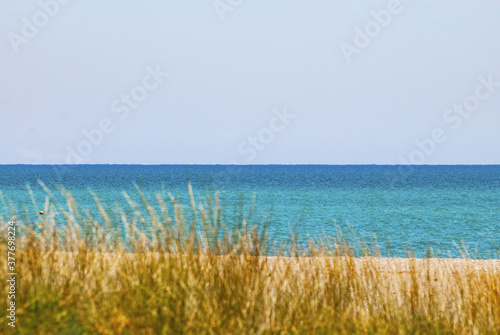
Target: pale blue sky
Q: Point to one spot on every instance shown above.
(230, 79)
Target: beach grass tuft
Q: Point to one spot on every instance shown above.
(163, 267)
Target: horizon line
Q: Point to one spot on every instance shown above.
(273, 164)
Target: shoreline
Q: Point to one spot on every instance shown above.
(385, 264)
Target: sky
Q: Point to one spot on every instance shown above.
(249, 82)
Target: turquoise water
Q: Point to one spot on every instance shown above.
(411, 206)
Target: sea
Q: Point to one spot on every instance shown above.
(442, 211)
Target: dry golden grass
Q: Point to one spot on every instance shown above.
(75, 278)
